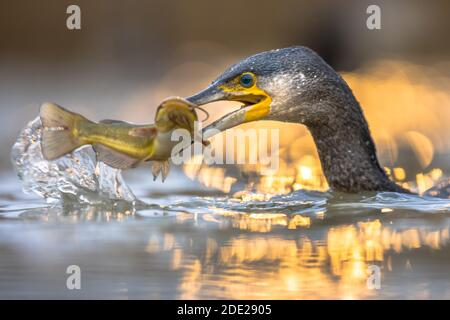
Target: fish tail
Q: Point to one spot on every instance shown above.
(59, 136)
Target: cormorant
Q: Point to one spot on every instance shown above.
(296, 85)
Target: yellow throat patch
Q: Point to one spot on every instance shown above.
(256, 111)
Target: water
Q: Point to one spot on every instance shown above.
(189, 242)
(77, 176)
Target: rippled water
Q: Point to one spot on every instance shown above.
(184, 241)
(76, 176)
(304, 245)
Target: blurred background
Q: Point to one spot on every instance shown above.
(128, 56)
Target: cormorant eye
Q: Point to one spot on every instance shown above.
(247, 80)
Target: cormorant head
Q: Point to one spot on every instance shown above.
(285, 84)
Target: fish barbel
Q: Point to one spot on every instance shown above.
(117, 143)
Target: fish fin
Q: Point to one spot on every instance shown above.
(110, 121)
(114, 158)
(162, 167)
(143, 132)
(58, 138)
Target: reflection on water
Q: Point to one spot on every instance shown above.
(301, 246)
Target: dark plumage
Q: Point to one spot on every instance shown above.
(305, 89)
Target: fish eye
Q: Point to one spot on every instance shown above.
(247, 80)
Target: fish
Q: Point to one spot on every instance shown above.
(117, 143)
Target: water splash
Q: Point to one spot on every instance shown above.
(77, 176)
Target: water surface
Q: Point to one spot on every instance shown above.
(305, 245)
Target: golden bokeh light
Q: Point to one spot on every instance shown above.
(300, 267)
(404, 111)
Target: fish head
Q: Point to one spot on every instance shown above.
(176, 113)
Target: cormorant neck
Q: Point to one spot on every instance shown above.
(347, 151)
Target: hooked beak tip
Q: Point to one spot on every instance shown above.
(210, 94)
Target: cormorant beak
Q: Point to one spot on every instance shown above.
(256, 106)
(210, 94)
